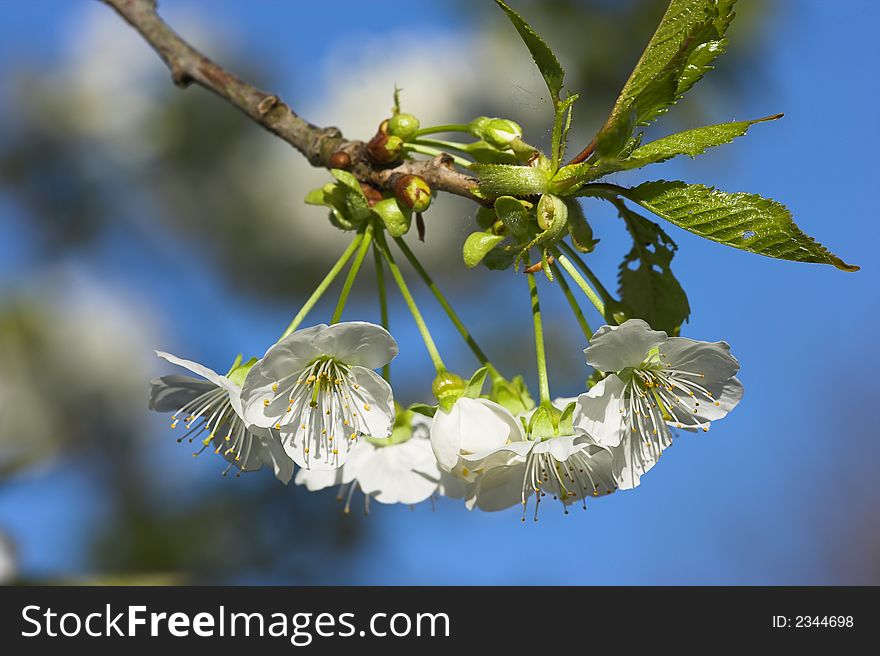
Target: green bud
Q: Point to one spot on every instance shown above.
(396, 221)
(477, 246)
(404, 126)
(413, 192)
(544, 423)
(384, 149)
(552, 212)
(513, 395)
(499, 132)
(448, 388)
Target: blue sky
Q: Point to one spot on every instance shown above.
(774, 494)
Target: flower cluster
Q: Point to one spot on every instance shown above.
(314, 401)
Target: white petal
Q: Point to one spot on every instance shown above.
(286, 358)
(454, 487)
(600, 411)
(201, 370)
(170, 393)
(562, 447)
(358, 343)
(471, 426)
(318, 479)
(633, 459)
(375, 402)
(401, 473)
(486, 425)
(499, 488)
(711, 359)
(614, 348)
(271, 453)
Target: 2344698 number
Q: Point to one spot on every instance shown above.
(826, 621)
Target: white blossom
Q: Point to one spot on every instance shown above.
(472, 426)
(210, 406)
(654, 382)
(317, 388)
(563, 462)
(398, 470)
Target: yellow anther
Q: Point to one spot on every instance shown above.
(274, 387)
(335, 452)
(367, 407)
(277, 426)
(354, 436)
(306, 450)
(265, 402)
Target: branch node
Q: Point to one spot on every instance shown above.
(266, 104)
(180, 76)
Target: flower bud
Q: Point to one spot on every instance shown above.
(384, 149)
(372, 194)
(512, 395)
(499, 132)
(404, 126)
(396, 220)
(448, 388)
(544, 423)
(413, 192)
(340, 160)
(552, 211)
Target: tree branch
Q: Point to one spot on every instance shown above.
(317, 144)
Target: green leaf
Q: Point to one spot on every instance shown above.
(355, 205)
(499, 259)
(579, 228)
(423, 409)
(650, 290)
(689, 142)
(477, 246)
(541, 53)
(745, 221)
(514, 215)
(504, 180)
(689, 38)
(475, 385)
(561, 125)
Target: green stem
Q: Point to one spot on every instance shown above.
(323, 285)
(410, 303)
(433, 152)
(353, 272)
(587, 271)
(543, 380)
(572, 302)
(580, 282)
(453, 316)
(449, 127)
(446, 145)
(383, 302)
